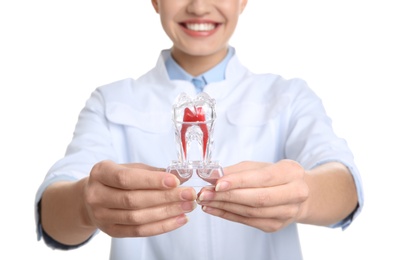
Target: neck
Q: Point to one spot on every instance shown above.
(197, 65)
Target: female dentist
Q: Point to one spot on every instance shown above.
(283, 163)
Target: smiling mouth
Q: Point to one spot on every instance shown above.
(200, 27)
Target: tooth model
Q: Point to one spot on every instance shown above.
(194, 121)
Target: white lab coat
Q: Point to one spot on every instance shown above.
(259, 118)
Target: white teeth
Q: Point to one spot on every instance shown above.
(200, 26)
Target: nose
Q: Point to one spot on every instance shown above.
(199, 7)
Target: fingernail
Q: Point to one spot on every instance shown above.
(207, 209)
(188, 206)
(182, 219)
(206, 195)
(171, 181)
(222, 186)
(188, 195)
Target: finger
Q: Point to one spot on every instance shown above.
(146, 215)
(256, 175)
(146, 230)
(275, 212)
(265, 224)
(244, 166)
(257, 197)
(139, 199)
(143, 166)
(133, 176)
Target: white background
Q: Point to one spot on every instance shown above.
(54, 53)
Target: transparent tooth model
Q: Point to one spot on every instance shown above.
(194, 121)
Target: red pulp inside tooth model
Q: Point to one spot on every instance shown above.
(192, 117)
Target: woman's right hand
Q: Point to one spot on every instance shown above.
(135, 200)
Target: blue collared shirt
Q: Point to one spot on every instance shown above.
(217, 73)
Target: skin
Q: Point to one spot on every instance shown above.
(271, 196)
(131, 200)
(198, 52)
(137, 200)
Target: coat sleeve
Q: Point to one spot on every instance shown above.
(90, 144)
(311, 140)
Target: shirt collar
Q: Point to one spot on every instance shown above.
(215, 74)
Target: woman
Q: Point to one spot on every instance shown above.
(283, 163)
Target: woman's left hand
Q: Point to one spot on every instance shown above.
(262, 195)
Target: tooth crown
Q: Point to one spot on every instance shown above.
(200, 26)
